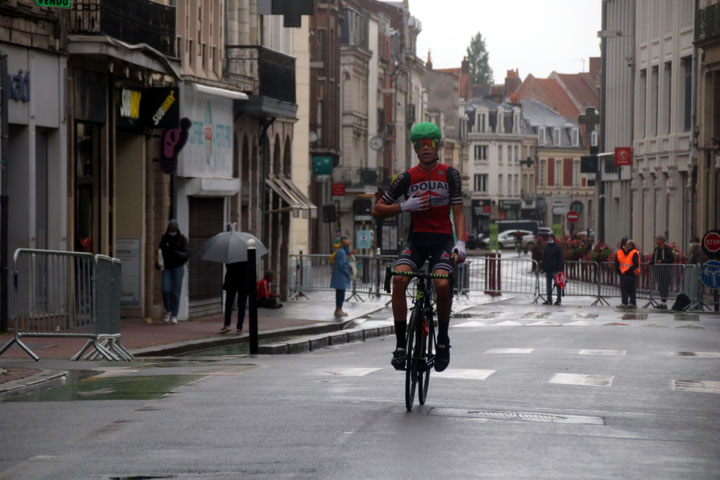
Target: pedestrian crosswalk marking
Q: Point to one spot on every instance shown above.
(508, 323)
(349, 371)
(698, 386)
(579, 323)
(601, 352)
(692, 326)
(581, 379)
(471, 324)
(466, 374)
(510, 350)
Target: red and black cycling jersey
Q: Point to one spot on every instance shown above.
(442, 184)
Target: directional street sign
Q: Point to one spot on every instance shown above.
(710, 274)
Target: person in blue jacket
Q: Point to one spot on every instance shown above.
(340, 280)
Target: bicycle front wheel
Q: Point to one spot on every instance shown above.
(411, 371)
(428, 335)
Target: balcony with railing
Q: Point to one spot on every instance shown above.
(356, 178)
(262, 71)
(707, 25)
(131, 21)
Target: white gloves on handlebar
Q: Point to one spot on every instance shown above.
(412, 204)
(459, 248)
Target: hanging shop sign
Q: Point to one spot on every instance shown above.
(148, 108)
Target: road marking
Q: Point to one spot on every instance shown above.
(698, 386)
(348, 371)
(466, 374)
(578, 323)
(510, 350)
(697, 354)
(601, 352)
(471, 324)
(508, 323)
(615, 324)
(544, 323)
(517, 416)
(654, 325)
(692, 326)
(581, 379)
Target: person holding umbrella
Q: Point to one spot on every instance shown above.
(236, 283)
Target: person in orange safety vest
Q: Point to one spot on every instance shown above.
(627, 264)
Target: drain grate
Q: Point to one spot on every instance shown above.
(518, 416)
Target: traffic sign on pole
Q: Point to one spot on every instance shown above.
(711, 243)
(573, 216)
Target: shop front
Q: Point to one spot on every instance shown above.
(509, 209)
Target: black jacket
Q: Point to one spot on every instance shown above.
(662, 255)
(553, 258)
(174, 250)
(236, 277)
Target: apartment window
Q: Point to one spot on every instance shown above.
(500, 184)
(319, 119)
(204, 56)
(499, 127)
(558, 172)
(541, 135)
(190, 50)
(556, 136)
(500, 154)
(667, 108)
(541, 173)
(576, 174)
(567, 178)
(686, 65)
(480, 152)
(575, 137)
(320, 50)
(178, 46)
(481, 122)
(509, 185)
(642, 103)
(516, 122)
(516, 180)
(517, 154)
(481, 182)
(654, 85)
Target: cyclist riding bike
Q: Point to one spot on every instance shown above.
(430, 191)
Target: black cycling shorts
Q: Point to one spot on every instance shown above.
(437, 250)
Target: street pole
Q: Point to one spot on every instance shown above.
(252, 281)
(4, 199)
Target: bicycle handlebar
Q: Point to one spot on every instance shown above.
(389, 273)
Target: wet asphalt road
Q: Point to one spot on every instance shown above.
(573, 396)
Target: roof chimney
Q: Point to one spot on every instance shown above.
(428, 65)
(512, 82)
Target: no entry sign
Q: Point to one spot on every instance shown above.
(573, 216)
(711, 243)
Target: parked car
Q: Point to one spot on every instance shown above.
(590, 232)
(544, 233)
(508, 239)
(482, 240)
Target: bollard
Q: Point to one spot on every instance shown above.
(254, 350)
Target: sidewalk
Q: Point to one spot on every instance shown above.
(298, 317)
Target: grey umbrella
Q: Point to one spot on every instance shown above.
(230, 247)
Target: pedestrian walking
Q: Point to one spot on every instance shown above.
(236, 284)
(174, 255)
(265, 297)
(552, 263)
(340, 279)
(661, 258)
(696, 254)
(627, 265)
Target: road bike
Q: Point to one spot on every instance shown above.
(420, 344)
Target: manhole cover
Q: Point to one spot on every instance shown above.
(518, 416)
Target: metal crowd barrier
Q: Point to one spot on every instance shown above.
(67, 295)
(497, 275)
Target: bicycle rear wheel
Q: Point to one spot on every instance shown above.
(411, 374)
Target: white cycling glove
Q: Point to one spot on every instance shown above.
(412, 204)
(459, 248)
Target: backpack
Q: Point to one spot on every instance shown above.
(682, 302)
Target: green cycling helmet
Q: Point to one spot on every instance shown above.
(425, 130)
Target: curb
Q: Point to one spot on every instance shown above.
(32, 380)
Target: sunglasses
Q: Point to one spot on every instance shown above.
(425, 142)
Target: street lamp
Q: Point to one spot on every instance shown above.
(528, 162)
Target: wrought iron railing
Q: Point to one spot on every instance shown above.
(132, 21)
(707, 24)
(268, 72)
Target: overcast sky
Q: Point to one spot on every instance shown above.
(535, 36)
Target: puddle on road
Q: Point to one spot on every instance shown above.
(114, 388)
(635, 316)
(685, 317)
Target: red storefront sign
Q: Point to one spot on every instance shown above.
(623, 156)
(338, 190)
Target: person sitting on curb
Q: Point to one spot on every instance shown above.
(265, 297)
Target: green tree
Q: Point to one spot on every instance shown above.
(477, 55)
